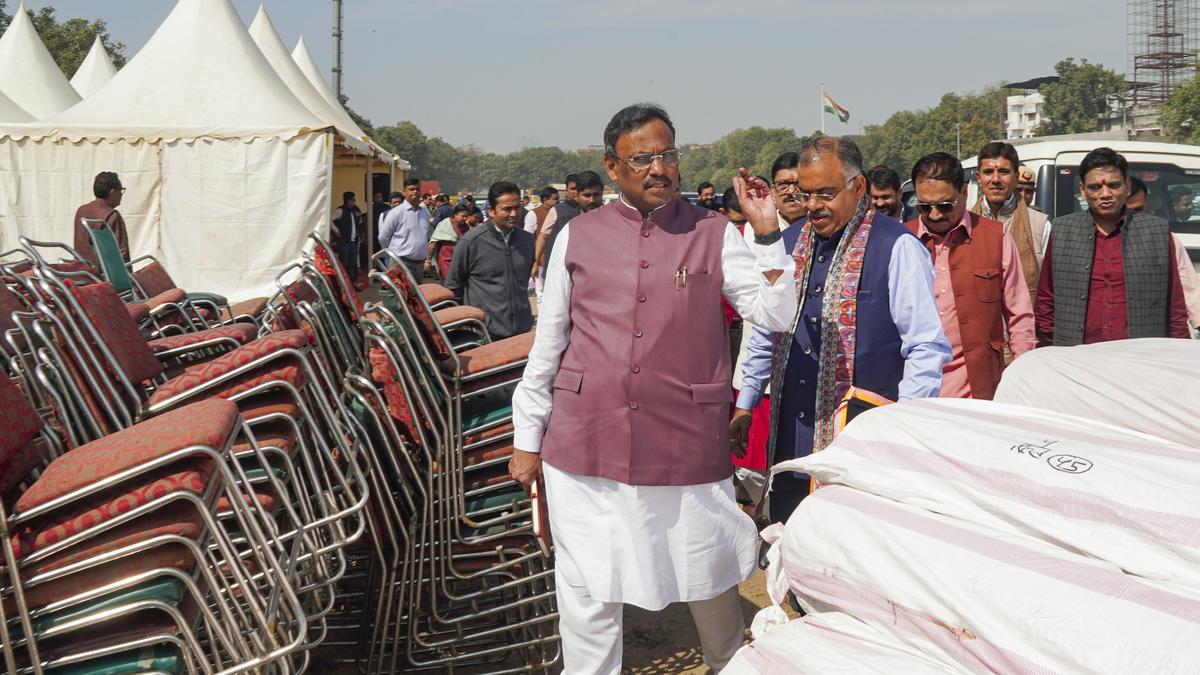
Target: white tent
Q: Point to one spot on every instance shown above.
(95, 71)
(262, 31)
(28, 74)
(11, 112)
(226, 171)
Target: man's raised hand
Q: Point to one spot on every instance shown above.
(758, 205)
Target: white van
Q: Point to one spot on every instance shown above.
(1171, 173)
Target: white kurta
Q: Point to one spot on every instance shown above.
(647, 545)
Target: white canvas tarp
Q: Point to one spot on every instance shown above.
(1149, 385)
(1107, 492)
(985, 600)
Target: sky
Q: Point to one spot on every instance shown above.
(507, 74)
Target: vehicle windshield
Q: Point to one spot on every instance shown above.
(1171, 193)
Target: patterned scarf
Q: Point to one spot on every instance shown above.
(839, 317)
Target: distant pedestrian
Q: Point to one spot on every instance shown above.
(706, 196)
(490, 266)
(883, 185)
(406, 229)
(348, 228)
(109, 193)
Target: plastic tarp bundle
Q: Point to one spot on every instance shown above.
(978, 598)
(1113, 494)
(1149, 385)
(832, 644)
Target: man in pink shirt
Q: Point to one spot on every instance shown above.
(978, 283)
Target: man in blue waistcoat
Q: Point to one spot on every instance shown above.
(866, 318)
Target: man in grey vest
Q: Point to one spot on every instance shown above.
(626, 398)
(1109, 273)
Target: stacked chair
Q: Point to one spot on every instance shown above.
(262, 487)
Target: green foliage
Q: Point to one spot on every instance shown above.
(908, 135)
(1180, 114)
(69, 41)
(1075, 103)
(755, 148)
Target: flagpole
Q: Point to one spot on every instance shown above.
(821, 108)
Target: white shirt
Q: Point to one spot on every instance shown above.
(405, 231)
(531, 222)
(771, 306)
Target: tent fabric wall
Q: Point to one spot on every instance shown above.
(43, 181)
(236, 213)
(222, 215)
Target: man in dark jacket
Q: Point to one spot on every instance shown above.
(491, 265)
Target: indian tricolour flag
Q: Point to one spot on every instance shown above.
(833, 108)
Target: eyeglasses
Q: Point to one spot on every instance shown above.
(786, 186)
(942, 207)
(642, 161)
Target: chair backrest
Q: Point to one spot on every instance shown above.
(112, 264)
(153, 279)
(19, 422)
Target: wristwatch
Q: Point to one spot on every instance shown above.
(768, 239)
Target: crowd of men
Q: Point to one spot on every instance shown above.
(655, 314)
(790, 292)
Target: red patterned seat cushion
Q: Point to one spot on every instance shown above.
(488, 434)
(436, 294)
(118, 330)
(458, 313)
(171, 295)
(208, 423)
(398, 407)
(508, 351)
(251, 307)
(181, 520)
(269, 435)
(171, 556)
(138, 311)
(242, 332)
(418, 306)
(188, 476)
(227, 363)
(19, 423)
(269, 404)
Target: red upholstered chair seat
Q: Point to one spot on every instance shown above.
(226, 363)
(170, 556)
(207, 423)
(279, 435)
(267, 404)
(189, 476)
(436, 294)
(398, 407)
(118, 332)
(242, 332)
(138, 311)
(493, 433)
(487, 453)
(251, 307)
(458, 313)
(172, 295)
(507, 352)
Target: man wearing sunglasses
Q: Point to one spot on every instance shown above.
(978, 286)
(867, 318)
(999, 200)
(109, 193)
(624, 404)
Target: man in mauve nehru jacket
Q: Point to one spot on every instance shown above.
(624, 406)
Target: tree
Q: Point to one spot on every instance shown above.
(908, 135)
(755, 148)
(69, 41)
(1180, 114)
(4, 17)
(1075, 103)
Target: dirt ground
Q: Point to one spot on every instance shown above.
(662, 643)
